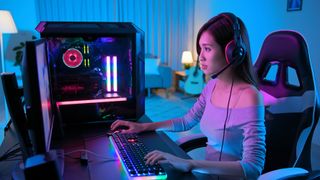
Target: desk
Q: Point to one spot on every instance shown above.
(178, 76)
(95, 139)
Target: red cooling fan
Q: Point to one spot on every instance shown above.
(72, 58)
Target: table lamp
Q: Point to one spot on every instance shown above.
(186, 59)
(6, 26)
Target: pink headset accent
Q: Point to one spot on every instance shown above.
(225, 51)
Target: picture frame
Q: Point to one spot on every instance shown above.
(294, 5)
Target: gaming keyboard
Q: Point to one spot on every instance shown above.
(131, 152)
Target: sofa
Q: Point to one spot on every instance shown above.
(157, 75)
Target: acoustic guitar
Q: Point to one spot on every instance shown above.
(195, 81)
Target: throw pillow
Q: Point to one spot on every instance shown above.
(151, 66)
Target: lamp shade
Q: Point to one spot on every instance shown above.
(186, 57)
(6, 23)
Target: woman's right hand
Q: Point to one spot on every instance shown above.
(130, 127)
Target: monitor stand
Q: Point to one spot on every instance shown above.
(50, 164)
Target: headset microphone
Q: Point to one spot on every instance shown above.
(221, 71)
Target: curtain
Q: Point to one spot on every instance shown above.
(168, 24)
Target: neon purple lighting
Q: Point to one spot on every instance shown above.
(107, 39)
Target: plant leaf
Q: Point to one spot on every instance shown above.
(16, 48)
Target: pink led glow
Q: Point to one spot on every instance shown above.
(108, 73)
(109, 95)
(268, 99)
(115, 74)
(72, 58)
(91, 101)
(72, 88)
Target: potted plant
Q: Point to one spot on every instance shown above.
(19, 52)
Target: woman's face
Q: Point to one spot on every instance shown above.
(211, 55)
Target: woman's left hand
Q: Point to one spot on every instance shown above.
(162, 157)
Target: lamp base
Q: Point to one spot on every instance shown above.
(186, 66)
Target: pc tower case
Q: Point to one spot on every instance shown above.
(97, 70)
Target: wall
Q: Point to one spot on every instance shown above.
(24, 15)
(264, 17)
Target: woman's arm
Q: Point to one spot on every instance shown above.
(227, 168)
(165, 125)
(254, 131)
(222, 168)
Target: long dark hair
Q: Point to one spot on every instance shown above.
(220, 27)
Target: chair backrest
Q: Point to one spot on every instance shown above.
(286, 81)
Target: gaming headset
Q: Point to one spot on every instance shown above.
(235, 51)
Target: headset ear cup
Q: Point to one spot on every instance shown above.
(234, 54)
(229, 52)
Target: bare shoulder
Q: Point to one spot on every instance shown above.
(250, 96)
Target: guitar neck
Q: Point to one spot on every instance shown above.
(197, 68)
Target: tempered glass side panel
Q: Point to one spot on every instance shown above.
(84, 69)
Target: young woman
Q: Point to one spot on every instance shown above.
(230, 108)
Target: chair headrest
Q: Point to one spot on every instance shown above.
(287, 49)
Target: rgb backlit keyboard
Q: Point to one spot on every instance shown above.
(131, 152)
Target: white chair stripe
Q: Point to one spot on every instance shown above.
(289, 104)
